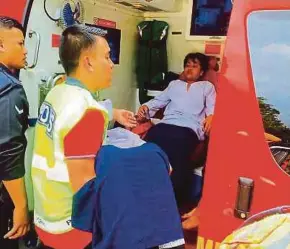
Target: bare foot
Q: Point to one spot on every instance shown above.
(190, 223)
(191, 219)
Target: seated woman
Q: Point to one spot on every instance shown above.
(187, 118)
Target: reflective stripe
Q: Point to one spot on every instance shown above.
(173, 244)
(57, 173)
(53, 227)
(81, 157)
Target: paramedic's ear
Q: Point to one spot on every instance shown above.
(2, 49)
(89, 64)
(201, 73)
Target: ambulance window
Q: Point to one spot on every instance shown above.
(269, 45)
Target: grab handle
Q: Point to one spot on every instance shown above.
(36, 52)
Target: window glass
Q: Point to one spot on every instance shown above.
(269, 45)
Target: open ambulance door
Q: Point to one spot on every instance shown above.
(242, 176)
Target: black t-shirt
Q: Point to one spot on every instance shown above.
(14, 111)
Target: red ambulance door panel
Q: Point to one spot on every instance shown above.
(13, 8)
(237, 145)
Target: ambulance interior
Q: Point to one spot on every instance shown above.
(44, 69)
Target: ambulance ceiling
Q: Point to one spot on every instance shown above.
(147, 5)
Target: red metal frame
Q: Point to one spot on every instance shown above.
(237, 145)
(13, 8)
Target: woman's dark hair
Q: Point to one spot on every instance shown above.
(201, 58)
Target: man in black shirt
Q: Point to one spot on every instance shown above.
(14, 221)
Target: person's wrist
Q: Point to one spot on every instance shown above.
(115, 114)
(21, 206)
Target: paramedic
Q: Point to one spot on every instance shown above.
(187, 118)
(70, 130)
(13, 124)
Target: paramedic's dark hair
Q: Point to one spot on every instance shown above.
(9, 23)
(202, 58)
(74, 40)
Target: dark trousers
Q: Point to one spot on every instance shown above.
(178, 143)
(6, 223)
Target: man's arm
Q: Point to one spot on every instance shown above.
(80, 172)
(108, 105)
(13, 123)
(17, 192)
(157, 103)
(210, 98)
(81, 145)
(123, 117)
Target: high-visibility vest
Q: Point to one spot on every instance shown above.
(64, 106)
